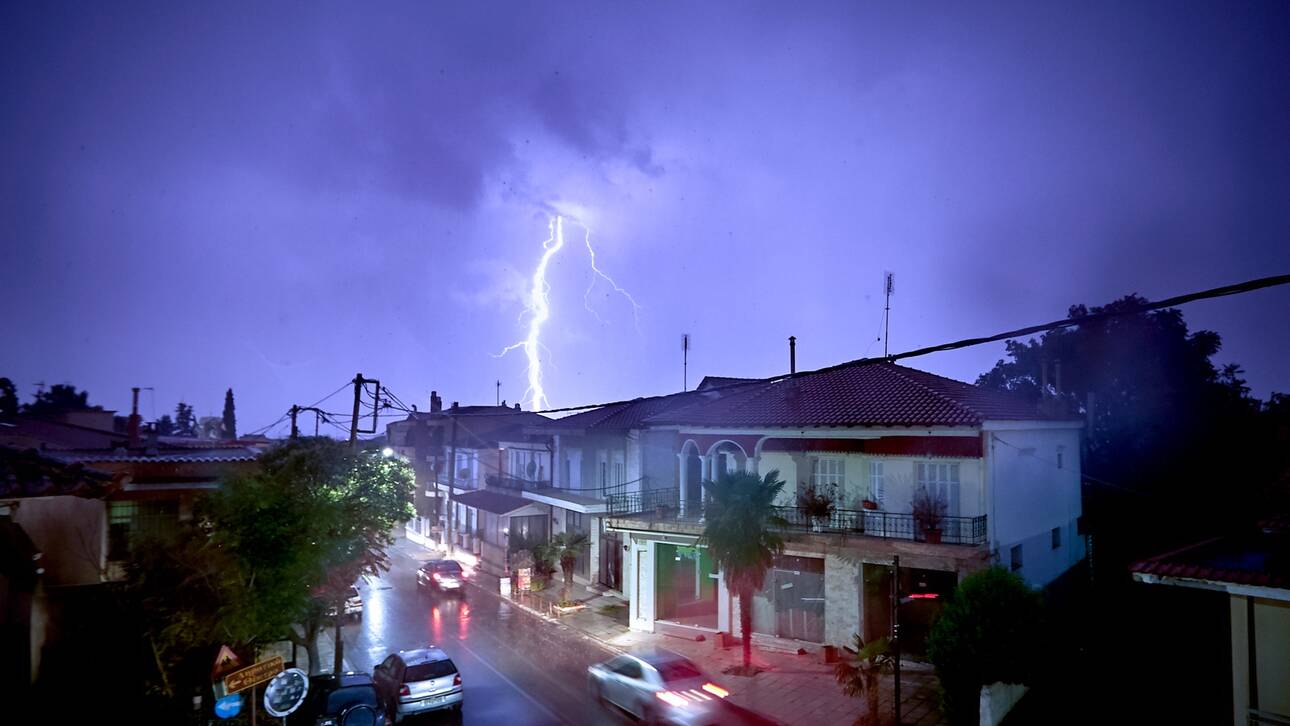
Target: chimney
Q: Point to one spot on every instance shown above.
(503, 404)
(517, 407)
(792, 354)
(454, 405)
(436, 403)
(132, 427)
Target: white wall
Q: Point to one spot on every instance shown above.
(1272, 633)
(1031, 496)
(899, 472)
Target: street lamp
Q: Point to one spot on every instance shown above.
(387, 452)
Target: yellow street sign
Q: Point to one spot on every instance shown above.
(253, 675)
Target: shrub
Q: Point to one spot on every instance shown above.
(990, 630)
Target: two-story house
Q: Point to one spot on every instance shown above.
(1008, 478)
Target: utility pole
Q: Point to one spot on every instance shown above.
(452, 481)
(354, 430)
(353, 422)
(499, 393)
(895, 633)
(295, 431)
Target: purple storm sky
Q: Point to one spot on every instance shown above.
(273, 196)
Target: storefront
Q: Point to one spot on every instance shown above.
(791, 602)
(685, 586)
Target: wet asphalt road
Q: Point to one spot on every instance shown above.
(515, 668)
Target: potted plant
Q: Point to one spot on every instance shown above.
(869, 504)
(816, 505)
(929, 510)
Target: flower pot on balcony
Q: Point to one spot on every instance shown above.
(933, 536)
(869, 504)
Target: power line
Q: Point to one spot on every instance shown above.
(1238, 288)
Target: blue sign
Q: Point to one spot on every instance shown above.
(229, 706)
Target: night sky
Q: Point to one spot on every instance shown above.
(273, 196)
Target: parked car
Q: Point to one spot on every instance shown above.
(424, 680)
(351, 699)
(353, 607)
(658, 686)
(443, 576)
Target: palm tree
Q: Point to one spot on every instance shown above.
(740, 515)
(568, 547)
(861, 675)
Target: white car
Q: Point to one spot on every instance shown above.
(425, 680)
(658, 686)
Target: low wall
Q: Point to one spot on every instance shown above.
(997, 699)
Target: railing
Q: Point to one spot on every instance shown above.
(888, 525)
(515, 483)
(609, 490)
(663, 502)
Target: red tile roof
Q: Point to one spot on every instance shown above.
(878, 394)
(1259, 558)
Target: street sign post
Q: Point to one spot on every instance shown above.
(229, 706)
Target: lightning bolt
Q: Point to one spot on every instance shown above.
(538, 307)
(586, 296)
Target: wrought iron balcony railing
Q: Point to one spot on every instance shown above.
(664, 504)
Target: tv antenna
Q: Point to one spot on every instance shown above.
(889, 284)
(685, 361)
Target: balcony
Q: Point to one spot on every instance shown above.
(516, 484)
(663, 505)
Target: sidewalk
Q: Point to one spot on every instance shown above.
(791, 688)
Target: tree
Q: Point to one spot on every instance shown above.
(315, 518)
(185, 421)
(60, 398)
(990, 630)
(859, 675)
(8, 399)
(1157, 409)
(568, 547)
(739, 534)
(272, 555)
(230, 417)
(165, 426)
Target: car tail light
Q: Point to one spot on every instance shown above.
(405, 691)
(671, 699)
(456, 680)
(715, 690)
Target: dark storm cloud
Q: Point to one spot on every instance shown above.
(270, 196)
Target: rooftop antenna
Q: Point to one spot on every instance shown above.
(685, 361)
(499, 392)
(889, 282)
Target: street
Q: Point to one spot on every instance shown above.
(515, 668)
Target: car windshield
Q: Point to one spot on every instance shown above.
(678, 670)
(449, 568)
(426, 671)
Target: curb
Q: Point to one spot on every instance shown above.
(553, 620)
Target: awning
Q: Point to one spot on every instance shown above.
(497, 502)
(567, 499)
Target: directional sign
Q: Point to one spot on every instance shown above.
(253, 675)
(286, 692)
(228, 706)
